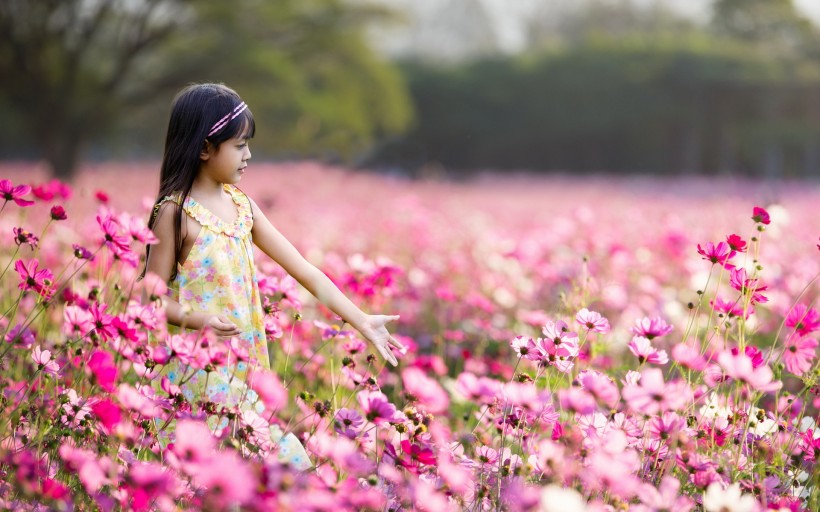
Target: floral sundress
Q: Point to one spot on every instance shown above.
(219, 277)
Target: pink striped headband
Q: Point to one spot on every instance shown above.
(228, 118)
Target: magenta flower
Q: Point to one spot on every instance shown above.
(11, 193)
(747, 286)
(736, 243)
(740, 368)
(720, 253)
(58, 213)
(102, 368)
(21, 236)
(760, 215)
(108, 413)
(652, 395)
(651, 328)
(799, 353)
(377, 408)
(33, 279)
(642, 349)
(803, 319)
(731, 308)
(103, 322)
(810, 445)
(593, 321)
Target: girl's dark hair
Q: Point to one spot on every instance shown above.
(195, 110)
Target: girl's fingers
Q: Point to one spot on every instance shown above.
(396, 343)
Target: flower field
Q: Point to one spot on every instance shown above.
(573, 344)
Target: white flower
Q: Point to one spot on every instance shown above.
(559, 499)
(758, 427)
(717, 499)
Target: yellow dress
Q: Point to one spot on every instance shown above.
(219, 277)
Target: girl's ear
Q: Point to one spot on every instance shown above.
(207, 150)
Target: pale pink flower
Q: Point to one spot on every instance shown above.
(429, 393)
(479, 389)
(43, 359)
(652, 395)
(600, 386)
(194, 442)
(731, 308)
(747, 286)
(688, 356)
(799, 354)
(740, 368)
(227, 480)
(651, 328)
(642, 349)
(525, 347)
(664, 497)
(270, 390)
(576, 400)
(348, 423)
(592, 321)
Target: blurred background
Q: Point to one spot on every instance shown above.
(425, 88)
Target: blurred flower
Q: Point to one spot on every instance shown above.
(429, 394)
(803, 319)
(760, 215)
(377, 408)
(226, 480)
(652, 395)
(348, 422)
(81, 253)
(101, 366)
(561, 499)
(21, 236)
(600, 386)
(20, 335)
(101, 196)
(43, 359)
(642, 349)
(108, 413)
(736, 243)
(731, 308)
(194, 442)
(718, 499)
(11, 193)
(799, 353)
(740, 368)
(651, 328)
(747, 286)
(270, 390)
(58, 213)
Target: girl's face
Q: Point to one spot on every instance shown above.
(226, 163)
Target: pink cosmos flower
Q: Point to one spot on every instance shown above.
(651, 328)
(600, 386)
(348, 422)
(377, 408)
(730, 308)
(43, 359)
(666, 426)
(101, 366)
(717, 254)
(21, 236)
(576, 400)
(642, 349)
(142, 400)
(688, 356)
(740, 367)
(76, 321)
(478, 389)
(665, 497)
(227, 480)
(31, 278)
(270, 390)
(102, 321)
(92, 470)
(430, 395)
(803, 319)
(810, 444)
(593, 321)
(652, 395)
(11, 193)
(760, 215)
(147, 483)
(799, 353)
(747, 286)
(525, 347)
(194, 442)
(736, 243)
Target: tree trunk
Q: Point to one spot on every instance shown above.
(62, 152)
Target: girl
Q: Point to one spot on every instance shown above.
(206, 227)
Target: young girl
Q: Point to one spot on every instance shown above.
(206, 227)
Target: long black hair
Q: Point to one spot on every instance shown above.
(195, 110)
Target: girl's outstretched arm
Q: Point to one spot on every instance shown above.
(275, 245)
(162, 260)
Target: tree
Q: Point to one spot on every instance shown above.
(73, 69)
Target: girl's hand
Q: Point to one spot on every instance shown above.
(222, 327)
(375, 332)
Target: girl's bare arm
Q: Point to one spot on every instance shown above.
(275, 245)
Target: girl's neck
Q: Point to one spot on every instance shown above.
(204, 188)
